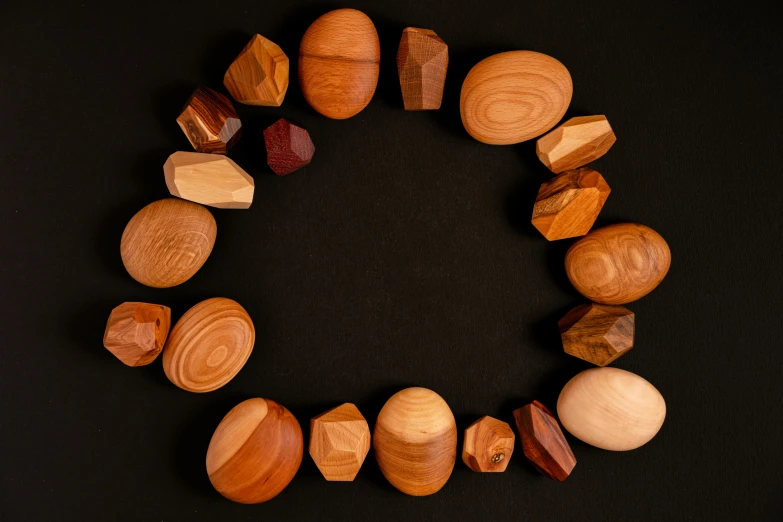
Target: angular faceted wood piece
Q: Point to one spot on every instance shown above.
(422, 60)
(543, 441)
(598, 334)
(259, 75)
(210, 122)
(568, 204)
(136, 332)
(339, 442)
(575, 143)
(488, 445)
(288, 147)
(210, 179)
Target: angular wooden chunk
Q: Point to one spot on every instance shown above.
(543, 442)
(210, 122)
(259, 75)
(488, 445)
(339, 442)
(136, 332)
(568, 204)
(422, 60)
(288, 147)
(598, 334)
(210, 179)
(575, 143)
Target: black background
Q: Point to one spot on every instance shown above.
(403, 255)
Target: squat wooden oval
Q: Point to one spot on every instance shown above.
(415, 441)
(167, 242)
(611, 409)
(339, 60)
(618, 264)
(514, 96)
(255, 451)
(209, 345)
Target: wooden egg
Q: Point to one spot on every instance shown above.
(514, 96)
(208, 345)
(255, 451)
(339, 61)
(618, 264)
(611, 409)
(415, 441)
(167, 242)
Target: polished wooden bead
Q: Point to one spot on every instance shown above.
(568, 204)
(618, 264)
(543, 443)
(339, 61)
(288, 147)
(422, 60)
(167, 242)
(339, 442)
(259, 75)
(514, 96)
(210, 122)
(575, 143)
(488, 445)
(208, 346)
(611, 409)
(136, 332)
(255, 451)
(210, 179)
(598, 334)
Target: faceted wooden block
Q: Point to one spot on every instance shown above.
(259, 75)
(568, 204)
(488, 445)
(422, 60)
(288, 147)
(543, 442)
(575, 143)
(136, 332)
(597, 333)
(339, 442)
(210, 122)
(210, 179)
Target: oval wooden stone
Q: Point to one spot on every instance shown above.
(618, 264)
(514, 96)
(167, 242)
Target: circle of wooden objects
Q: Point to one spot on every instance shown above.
(339, 442)
(167, 242)
(209, 344)
(259, 75)
(415, 441)
(598, 334)
(575, 143)
(543, 443)
(210, 122)
(422, 60)
(210, 179)
(288, 147)
(488, 445)
(136, 332)
(255, 451)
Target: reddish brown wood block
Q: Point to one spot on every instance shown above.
(136, 332)
(422, 60)
(288, 147)
(543, 442)
(575, 143)
(488, 445)
(259, 75)
(597, 333)
(210, 122)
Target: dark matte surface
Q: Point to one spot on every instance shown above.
(403, 255)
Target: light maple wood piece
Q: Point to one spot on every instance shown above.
(415, 441)
(575, 143)
(135, 332)
(210, 179)
(568, 205)
(598, 334)
(167, 242)
(255, 451)
(488, 445)
(543, 443)
(514, 96)
(618, 264)
(210, 122)
(339, 442)
(611, 409)
(339, 61)
(259, 75)
(422, 60)
(208, 346)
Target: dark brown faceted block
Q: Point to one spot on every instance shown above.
(543, 442)
(210, 122)
(288, 147)
(597, 333)
(422, 60)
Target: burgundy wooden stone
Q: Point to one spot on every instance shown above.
(543, 442)
(288, 147)
(210, 122)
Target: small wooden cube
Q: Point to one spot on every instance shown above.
(575, 143)
(339, 442)
(422, 60)
(543, 442)
(259, 75)
(488, 445)
(596, 333)
(136, 332)
(210, 122)
(210, 179)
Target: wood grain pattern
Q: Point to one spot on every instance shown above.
(618, 264)
(209, 344)
(575, 143)
(598, 334)
(488, 445)
(259, 75)
(167, 242)
(210, 179)
(339, 61)
(514, 96)
(255, 451)
(415, 441)
(210, 122)
(422, 61)
(339, 442)
(543, 443)
(288, 147)
(135, 332)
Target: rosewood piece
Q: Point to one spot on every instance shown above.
(210, 179)
(598, 334)
(288, 147)
(543, 442)
(422, 60)
(210, 122)
(136, 332)
(488, 445)
(575, 143)
(259, 75)
(339, 442)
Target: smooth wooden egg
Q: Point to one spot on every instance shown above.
(167, 242)
(339, 61)
(618, 264)
(209, 345)
(255, 451)
(514, 96)
(415, 441)
(611, 409)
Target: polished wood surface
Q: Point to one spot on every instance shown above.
(136, 332)
(488, 445)
(598, 334)
(259, 75)
(288, 147)
(339, 442)
(210, 179)
(543, 443)
(422, 60)
(575, 143)
(210, 122)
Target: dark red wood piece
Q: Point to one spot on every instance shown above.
(288, 147)
(543, 443)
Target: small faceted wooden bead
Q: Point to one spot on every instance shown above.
(339, 442)
(259, 75)
(543, 443)
(422, 60)
(568, 205)
(488, 445)
(210, 122)
(598, 334)
(575, 143)
(210, 179)
(288, 147)
(136, 332)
